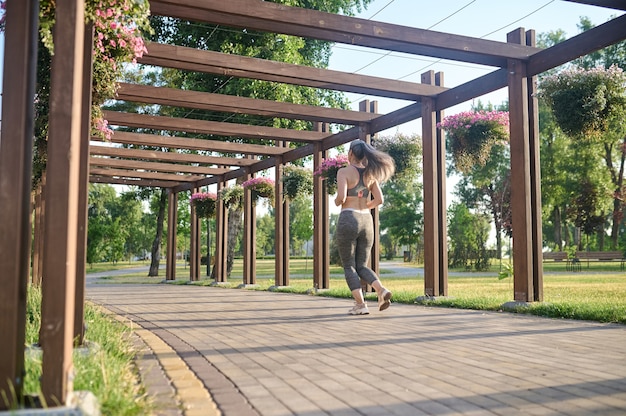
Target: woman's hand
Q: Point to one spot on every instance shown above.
(342, 187)
(377, 196)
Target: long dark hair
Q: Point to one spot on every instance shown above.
(378, 165)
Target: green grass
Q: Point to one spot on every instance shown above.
(107, 266)
(105, 368)
(597, 293)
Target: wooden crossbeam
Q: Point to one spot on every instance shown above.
(277, 18)
(125, 173)
(154, 166)
(174, 157)
(133, 182)
(154, 140)
(239, 105)
(245, 67)
(209, 127)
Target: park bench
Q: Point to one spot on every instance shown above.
(574, 264)
(601, 256)
(555, 256)
(570, 265)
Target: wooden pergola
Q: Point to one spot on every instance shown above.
(60, 220)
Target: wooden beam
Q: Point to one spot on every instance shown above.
(610, 4)
(209, 127)
(174, 157)
(16, 148)
(154, 166)
(132, 182)
(123, 173)
(277, 18)
(599, 37)
(239, 105)
(60, 234)
(245, 67)
(153, 140)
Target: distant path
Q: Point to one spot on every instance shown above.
(390, 268)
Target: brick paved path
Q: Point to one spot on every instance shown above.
(274, 354)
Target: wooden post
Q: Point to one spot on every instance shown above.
(520, 176)
(83, 189)
(534, 145)
(442, 202)
(20, 60)
(281, 236)
(431, 196)
(221, 238)
(436, 284)
(249, 237)
(62, 183)
(172, 220)
(194, 246)
(321, 235)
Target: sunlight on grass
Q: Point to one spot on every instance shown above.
(105, 368)
(589, 295)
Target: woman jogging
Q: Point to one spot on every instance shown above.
(355, 228)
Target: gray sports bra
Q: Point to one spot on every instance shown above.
(359, 190)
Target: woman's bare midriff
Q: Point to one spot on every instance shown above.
(354, 202)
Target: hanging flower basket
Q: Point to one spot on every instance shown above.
(261, 187)
(584, 102)
(328, 171)
(204, 203)
(297, 181)
(471, 135)
(232, 196)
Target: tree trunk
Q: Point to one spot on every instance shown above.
(235, 225)
(618, 182)
(156, 244)
(558, 238)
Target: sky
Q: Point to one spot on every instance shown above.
(485, 19)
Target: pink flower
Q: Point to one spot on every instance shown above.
(201, 196)
(257, 181)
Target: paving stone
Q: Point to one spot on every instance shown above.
(274, 354)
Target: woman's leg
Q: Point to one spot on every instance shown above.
(363, 249)
(347, 229)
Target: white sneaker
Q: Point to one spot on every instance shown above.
(359, 309)
(384, 300)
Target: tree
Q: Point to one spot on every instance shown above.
(111, 222)
(401, 215)
(265, 234)
(300, 222)
(468, 234)
(157, 204)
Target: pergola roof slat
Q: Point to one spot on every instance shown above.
(154, 166)
(133, 182)
(210, 127)
(174, 157)
(125, 173)
(275, 18)
(242, 66)
(240, 105)
(141, 139)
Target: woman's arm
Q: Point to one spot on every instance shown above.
(377, 196)
(342, 187)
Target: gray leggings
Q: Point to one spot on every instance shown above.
(355, 237)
